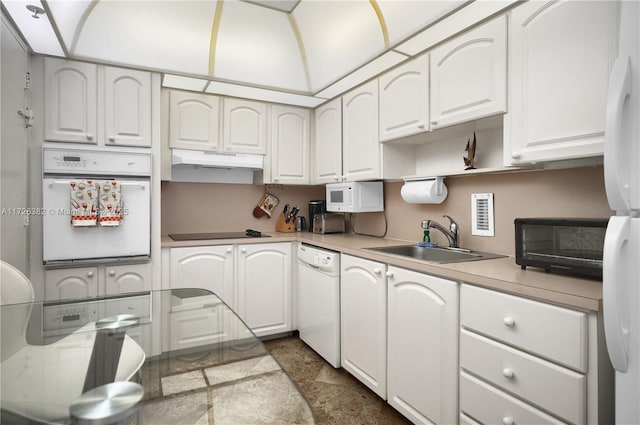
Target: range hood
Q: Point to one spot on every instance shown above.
(215, 167)
(216, 159)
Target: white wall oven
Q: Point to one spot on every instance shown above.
(96, 205)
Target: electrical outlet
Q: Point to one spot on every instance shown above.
(482, 214)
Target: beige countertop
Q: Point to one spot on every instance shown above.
(502, 274)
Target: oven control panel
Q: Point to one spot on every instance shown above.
(65, 317)
(57, 160)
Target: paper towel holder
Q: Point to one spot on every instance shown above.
(438, 190)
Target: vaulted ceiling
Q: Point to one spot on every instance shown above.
(298, 47)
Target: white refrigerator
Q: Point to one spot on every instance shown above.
(621, 269)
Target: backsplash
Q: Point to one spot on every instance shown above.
(576, 192)
(212, 207)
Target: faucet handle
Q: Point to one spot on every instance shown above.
(452, 223)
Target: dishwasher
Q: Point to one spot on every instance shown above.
(319, 301)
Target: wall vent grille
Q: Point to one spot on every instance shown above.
(482, 214)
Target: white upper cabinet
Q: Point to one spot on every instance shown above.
(87, 103)
(70, 101)
(245, 126)
(289, 145)
(361, 155)
(127, 107)
(404, 100)
(327, 143)
(194, 121)
(468, 75)
(560, 55)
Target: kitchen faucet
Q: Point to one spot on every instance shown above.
(451, 233)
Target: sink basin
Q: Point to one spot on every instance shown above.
(436, 255)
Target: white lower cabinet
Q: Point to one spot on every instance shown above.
(264, 287)
(67, 284)
(542, 383)
(85, 282)
(422, 368)
(205, 267)
(192, 320)
(492, 406)
(127, 279)
(252, 279)
(107, 280)
(524, 361)
(363, 321)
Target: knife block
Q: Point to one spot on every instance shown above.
(282, 226)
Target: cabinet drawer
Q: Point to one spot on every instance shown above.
(554, 388)
(197, 327)
(552, 332)
(486, 404)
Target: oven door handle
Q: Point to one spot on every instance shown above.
(122, 183)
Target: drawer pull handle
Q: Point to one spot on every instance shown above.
(507, 421)
(507, 372)
(377, 270)
(508, 321)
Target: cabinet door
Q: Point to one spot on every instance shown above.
(327, 143)
(404, 100)
(68, 284)
(206, 267)
(289, 145)
(127, 278)
(560, 55)
(193, 121)
(468, 75)
(360, 144)
(422, 346)
(264, 287)
(127, 111)
(363, 321)
(70, 101)
(245, 126)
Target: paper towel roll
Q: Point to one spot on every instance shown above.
(432, 191)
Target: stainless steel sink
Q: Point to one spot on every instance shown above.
(436, 255)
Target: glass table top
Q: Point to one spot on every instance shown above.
(194, 358)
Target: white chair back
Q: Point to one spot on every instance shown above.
(15, 288)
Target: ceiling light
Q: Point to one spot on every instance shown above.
(35, 10)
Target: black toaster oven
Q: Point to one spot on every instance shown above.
(568, 245)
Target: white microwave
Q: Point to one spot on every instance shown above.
(355, 197)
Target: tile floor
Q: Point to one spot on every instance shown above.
(336, 397)
(226, 385)
(243, 385)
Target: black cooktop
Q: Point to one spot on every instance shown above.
(216, 235)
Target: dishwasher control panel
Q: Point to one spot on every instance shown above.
(321, 259)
